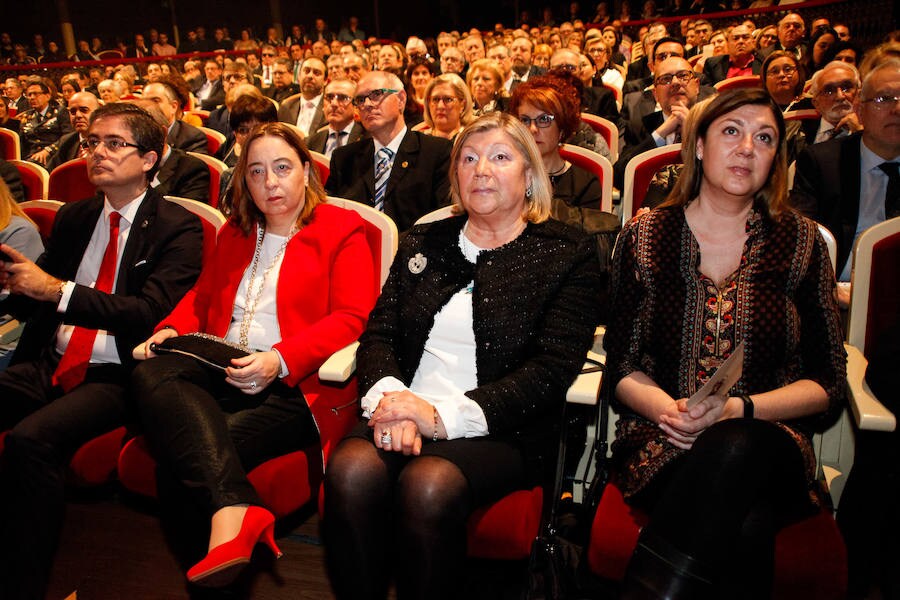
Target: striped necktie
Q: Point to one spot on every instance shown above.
(382, 174)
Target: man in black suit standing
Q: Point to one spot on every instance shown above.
(402, 172)
(114, 266)
(81, 106)
(181, 135)
(305, 109)
(851, 183)
(740, 60)
(342, 129)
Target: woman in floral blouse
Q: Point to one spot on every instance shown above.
(723, 261)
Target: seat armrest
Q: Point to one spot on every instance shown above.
(868, 412)
(585, 388)
(341, 365)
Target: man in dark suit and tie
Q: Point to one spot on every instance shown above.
(170, 100)
(791, 30)
(833, 90)
(15, 98)
(342, 129)
(114, 266)
(740, 60)
(402, 172)
(305, 109)
(851, 183)
(81, 106)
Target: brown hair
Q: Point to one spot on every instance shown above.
(801, 72)
(773, 196)
(245, 213)
(9, 207)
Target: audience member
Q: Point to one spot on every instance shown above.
(81, 106)
(43, 124)
(342, 128)
(170, 97)
(741, 59)
(283, 86)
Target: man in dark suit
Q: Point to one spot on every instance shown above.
(235, 74)
(740, 60)
(181, 135)
(81, 106)
(852, 183)
(140, 49)
(833, 89)
(643, 67)
(15, 98)
(283, 86)
(521, 51)
(178, 173)
(676, 90)
(305, 109)
(115, 265)
(399, 171)
(211, 92)
(342, 129)
(598, 101)
(791, 29)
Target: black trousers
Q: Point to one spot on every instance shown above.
(46, 428)
(206, 435)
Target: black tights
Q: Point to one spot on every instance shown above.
(385, 511)
(723, 503)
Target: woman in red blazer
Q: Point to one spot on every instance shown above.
(291, 281)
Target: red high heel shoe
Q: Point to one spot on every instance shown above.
(224, 562)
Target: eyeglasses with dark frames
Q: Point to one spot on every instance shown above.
(542, 121)
(683, 77)
(376, 96)
(114, 145)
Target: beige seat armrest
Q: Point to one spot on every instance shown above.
(868, 412)
(341, 365)
(586, 386)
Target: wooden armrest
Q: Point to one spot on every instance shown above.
(585, 388)
(341, 365)
(869, 413)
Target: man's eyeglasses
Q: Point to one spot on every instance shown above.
(565, 67)
(541, 121)
(884, 101)
(845, 87)
(269, 54)
(235, 77)
(778, 72)
(683, 77)
(375, 96)
(341, 99)
(114, 145)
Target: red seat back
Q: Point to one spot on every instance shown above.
(69, 182)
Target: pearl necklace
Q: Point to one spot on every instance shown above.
(252, 300)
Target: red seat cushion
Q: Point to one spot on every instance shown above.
(506, 529)
(810, 556)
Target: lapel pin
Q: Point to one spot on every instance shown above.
(417, 264)
(404, 164)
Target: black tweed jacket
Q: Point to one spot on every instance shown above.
(535, 307)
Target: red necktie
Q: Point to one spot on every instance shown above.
(74, 362)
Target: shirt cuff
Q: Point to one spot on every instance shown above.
(370, 401)
(462, 418)
(68, 290)
(284, 372)
(660, 140)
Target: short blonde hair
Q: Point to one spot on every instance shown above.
(537, 204)
(462, 92)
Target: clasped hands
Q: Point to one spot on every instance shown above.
(683, 425)
(250, 374)
(405, 417)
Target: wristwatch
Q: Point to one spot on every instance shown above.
(748, 406)
(60, 290)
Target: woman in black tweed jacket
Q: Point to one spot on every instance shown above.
(517, 314)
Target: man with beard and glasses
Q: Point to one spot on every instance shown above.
(834, 89)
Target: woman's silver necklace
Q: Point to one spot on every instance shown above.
(252, 300)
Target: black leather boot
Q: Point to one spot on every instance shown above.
(659, 571)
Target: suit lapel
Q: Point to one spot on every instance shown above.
(850, 181)
(136, 247)
(366, 170)
(407, 156)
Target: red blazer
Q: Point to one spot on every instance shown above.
(326, 289)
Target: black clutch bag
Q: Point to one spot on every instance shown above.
(208, 349)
